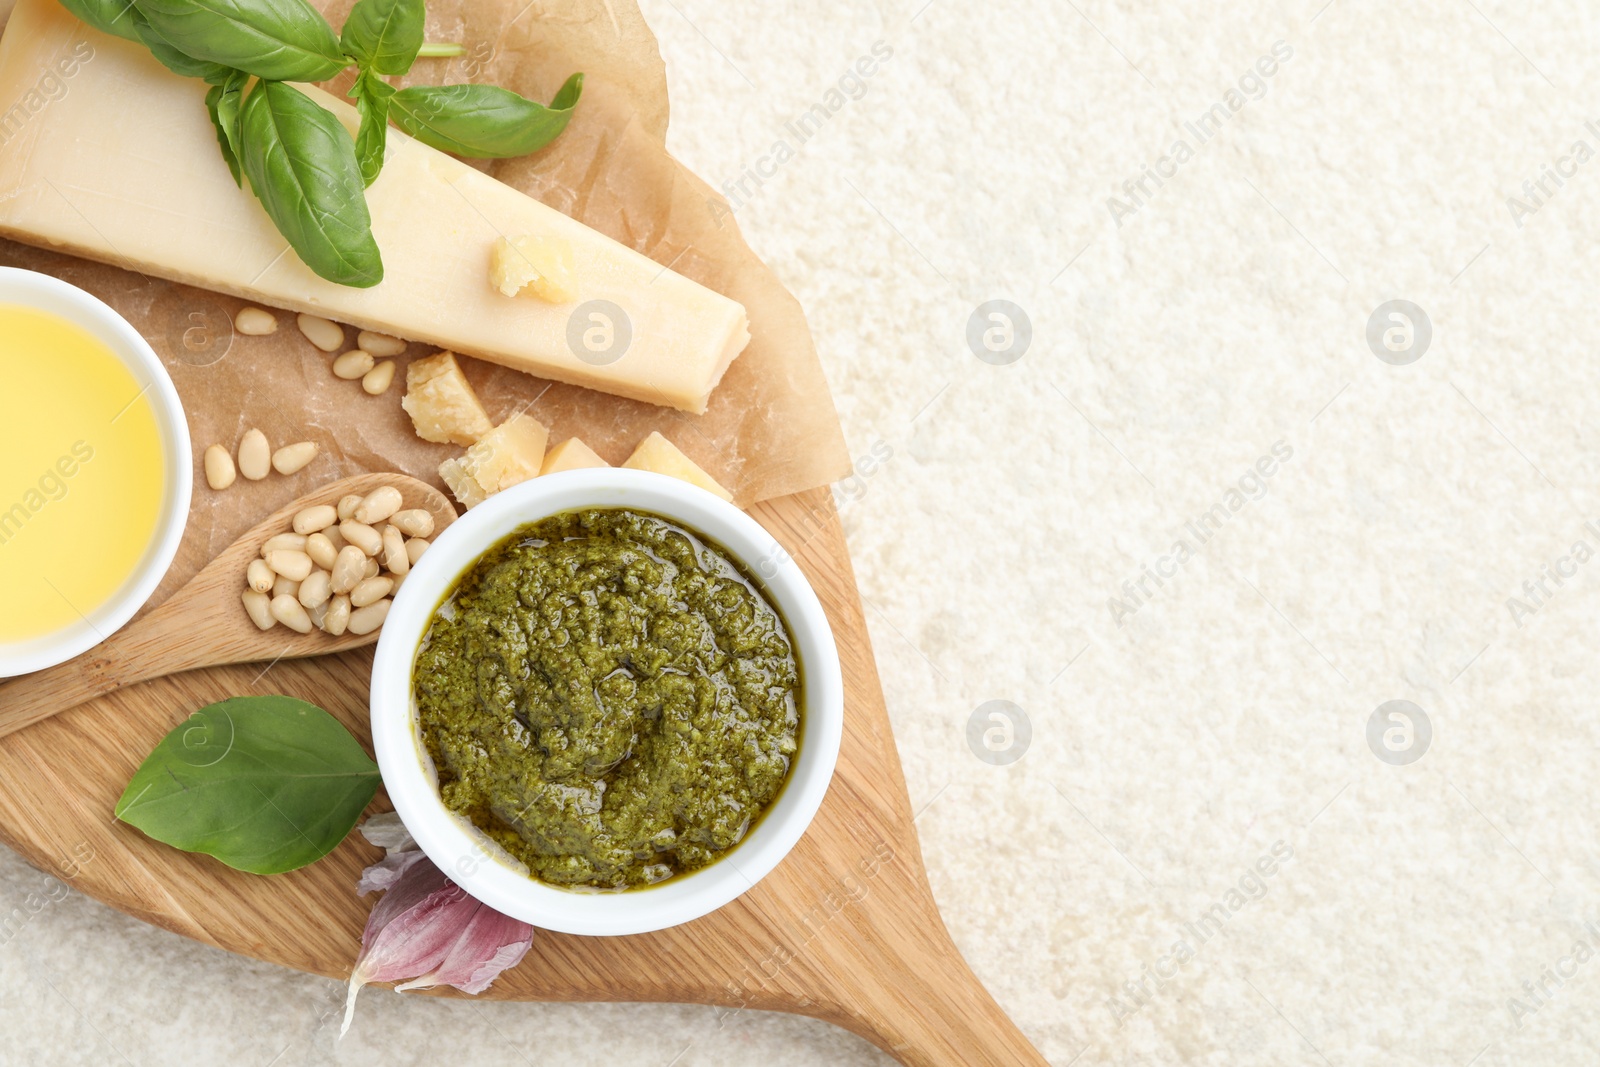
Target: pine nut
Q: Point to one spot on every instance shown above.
(292, 565)
(394, 550)
(399, 580)
(335, 538)
(370, 591)
(292, 541)
(287, 610)
(258, 606)
(291, 458)
(378, 505)
(347, 506)
(254, 322)
(380, 344)
(414, 522)
(282, 586)
(255, 455)
(338, 616)
(352, 365)
(260, 576)
(319, 614)
(362, 536)
(219, 467)
(314, 519)
(414, 550)
(372, 569)
(367, 619)
(326, 335)
(321, 550)
(376, 381)
(348, 569)
(316, 589)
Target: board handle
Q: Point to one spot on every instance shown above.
(930, 1010)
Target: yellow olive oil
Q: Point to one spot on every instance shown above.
(81, 473)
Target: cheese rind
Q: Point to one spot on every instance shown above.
(123, 167)
(570, 455)
(656, 453)
(441, 402)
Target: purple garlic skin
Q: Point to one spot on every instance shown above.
(426, 931)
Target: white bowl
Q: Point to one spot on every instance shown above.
(466, 855)
(44, 293)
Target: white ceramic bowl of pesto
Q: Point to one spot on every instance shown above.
(478, 865)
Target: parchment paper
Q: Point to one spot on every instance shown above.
(771, 428)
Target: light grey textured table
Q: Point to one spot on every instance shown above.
(1109, 885)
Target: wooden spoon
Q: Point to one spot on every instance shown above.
(203, 624)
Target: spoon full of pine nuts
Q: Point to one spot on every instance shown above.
(314, 577)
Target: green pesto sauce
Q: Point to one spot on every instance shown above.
(610, 698)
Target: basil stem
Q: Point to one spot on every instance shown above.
(441, 50)
(108, 16)
(223, 103)
(384, 36)
(302, 166)
(483, 121)
(266, 784)
(278, 40)
(372, 102)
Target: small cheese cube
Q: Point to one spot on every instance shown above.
(540, 267)
(508, 454)
(570, 455)
(441, 402)
(656, 453)
(462, 484)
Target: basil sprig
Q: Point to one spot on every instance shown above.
(265, 784)
(223, 102)
(372, 102)
(173, 58)
(384, 36)
(303, 165)
(273, 39)
(107, 16)
(485, 121)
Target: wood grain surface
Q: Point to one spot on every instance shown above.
(845, 929)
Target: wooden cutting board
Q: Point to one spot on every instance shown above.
(844, 930)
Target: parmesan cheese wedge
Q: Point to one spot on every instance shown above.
(441, 402)
(570, 455)
(505, 456)
(122, 166)
(656, 453)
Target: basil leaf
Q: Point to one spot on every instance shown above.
(174, 60)
(302, 166)
(265, 784)
(223, 104)
(484, 121)
(107, 16)
(384, 35)
(273, 39)
(372, 101)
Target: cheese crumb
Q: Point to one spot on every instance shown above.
(441, 402)
(656, 453)
(510, 453)
(540, 267)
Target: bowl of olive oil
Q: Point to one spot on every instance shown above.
(95, 471)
